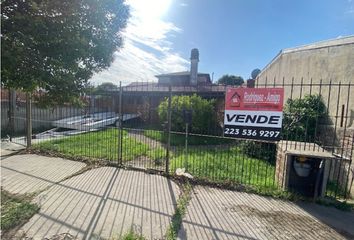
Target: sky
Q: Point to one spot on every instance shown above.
(233, 36)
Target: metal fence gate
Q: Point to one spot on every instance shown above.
(179, 129)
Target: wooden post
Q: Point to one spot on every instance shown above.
(29, 119)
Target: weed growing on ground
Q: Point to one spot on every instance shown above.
(335, 190)
(158, 155)
(340, 205)
(177, 217)
(15, 210)
(131, 235)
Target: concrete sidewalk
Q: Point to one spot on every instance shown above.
(221, 214)
(28, 173)
(105, 202)
(9, 148)
(108, 202)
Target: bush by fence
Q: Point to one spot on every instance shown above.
(203, 112)
(301, 116)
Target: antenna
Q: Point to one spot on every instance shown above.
(255, 73)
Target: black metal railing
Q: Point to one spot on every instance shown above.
(179, 130)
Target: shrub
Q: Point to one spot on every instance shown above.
(301, 117)
(203, 113)
(262, 150)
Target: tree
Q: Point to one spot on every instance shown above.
(231, 80)
(56, 46)
(203, 113)
(106, 86)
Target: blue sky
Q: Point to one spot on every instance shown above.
(233, 36)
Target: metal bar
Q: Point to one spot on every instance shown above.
(28, 119)
(11, 112)
(186, 148)
(320, 94)
(298, 138)
(351, 150)
(307, 120)
(342, 115)
(291, 97)
(120, 126)
(334, 138)
(169, 113)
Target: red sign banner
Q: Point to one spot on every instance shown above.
(254, 113)
(262, 99)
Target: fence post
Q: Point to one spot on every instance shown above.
(11, 112)
(120, 128)
(168, 129)
(186, 148)
(29, 119)
(348, 190)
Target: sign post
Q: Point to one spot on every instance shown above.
(254, 113)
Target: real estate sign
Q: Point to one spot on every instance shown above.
(254, 113)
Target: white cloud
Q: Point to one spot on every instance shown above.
(350, 11)
(147, 51)
(350, 8)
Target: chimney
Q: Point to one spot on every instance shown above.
(194, 66)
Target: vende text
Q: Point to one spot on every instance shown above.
(253, 118)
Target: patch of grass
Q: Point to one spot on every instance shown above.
(333, 202)
(98, 145)
(333, 189)
(275, 192)
(178, 139)
(15, 210)
(215, 163)
(158, 155)
(131, 235)
(218, 164)
(177, 217)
